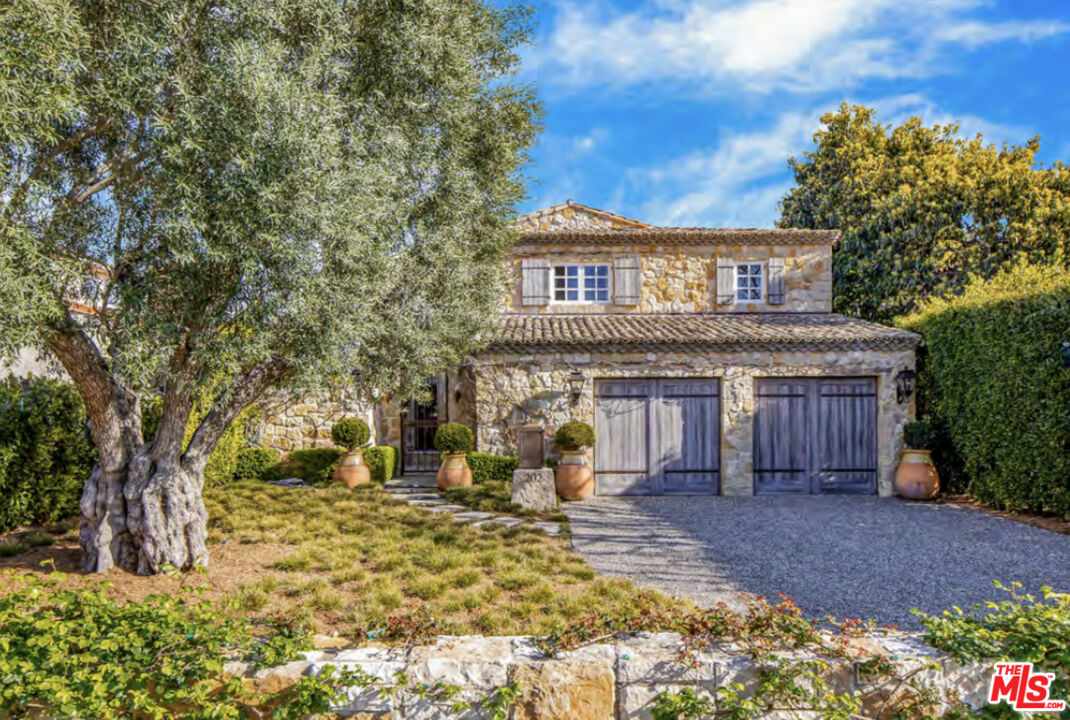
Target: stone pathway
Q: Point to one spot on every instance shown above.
(420, 491)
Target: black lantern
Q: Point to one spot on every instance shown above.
(905, 382)
(1066, 353)
(576, 381)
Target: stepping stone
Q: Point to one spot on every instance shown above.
(502, 520)
(551, 529)
(472, 516)
(424, 496)
(445, 508)
(426, 502)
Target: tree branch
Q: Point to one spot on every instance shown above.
(239, 395)
(106, 402)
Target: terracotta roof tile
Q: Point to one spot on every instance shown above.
(681, 236)
(726, 331)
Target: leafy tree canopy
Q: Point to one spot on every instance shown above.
(253, 193)
(921, 209)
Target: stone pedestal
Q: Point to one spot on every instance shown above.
(534, 489)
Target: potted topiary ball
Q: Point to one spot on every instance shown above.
(574, 478)
(352, 434)
(454, 441)
(916, 477)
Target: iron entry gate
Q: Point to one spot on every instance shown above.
(815, 435)
(657, 436)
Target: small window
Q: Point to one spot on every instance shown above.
(581, 283)
(750, 281)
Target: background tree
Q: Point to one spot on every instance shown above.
(921, 209)
(285, 192)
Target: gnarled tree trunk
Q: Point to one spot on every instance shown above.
(142, 508)
(143, 516)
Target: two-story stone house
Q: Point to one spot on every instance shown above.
(708, 360)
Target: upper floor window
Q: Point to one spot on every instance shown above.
(750, 281)
(581, 283)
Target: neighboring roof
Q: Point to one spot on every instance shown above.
(725, 331)
(533, 220)
(682, 236)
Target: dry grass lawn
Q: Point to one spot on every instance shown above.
(351, 560)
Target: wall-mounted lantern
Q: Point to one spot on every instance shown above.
(576, 381)
(1066, 353)
(905, 382)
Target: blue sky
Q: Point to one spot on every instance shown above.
(684, 112)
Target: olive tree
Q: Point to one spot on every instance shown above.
(252, 195)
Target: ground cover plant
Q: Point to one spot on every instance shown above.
(366, 566)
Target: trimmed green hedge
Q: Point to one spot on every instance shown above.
(993, 379)
(453, 438)
(253, 462)
(45, 451)
(382, 461)
(316, 465)
(488, 467)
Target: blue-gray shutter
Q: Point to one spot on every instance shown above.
(776, 281)
(627, 280)
(726, 282)
(535, 281)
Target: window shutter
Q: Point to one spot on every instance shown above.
(776, 281)
(626, 280)
(726, 282)
(535, 281)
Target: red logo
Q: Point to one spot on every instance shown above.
(1024, 689)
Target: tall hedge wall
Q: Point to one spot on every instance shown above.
(45, 451)
(993, 376)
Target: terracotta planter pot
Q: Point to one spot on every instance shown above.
(352, 471)
(916, 477)
(454, 471)
(575, 476)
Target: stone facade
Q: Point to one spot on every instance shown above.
(683, 279)
(570, 216)
(306, 423)
(616, 680)
(513, 389)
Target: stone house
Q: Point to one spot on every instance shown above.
(708, 360)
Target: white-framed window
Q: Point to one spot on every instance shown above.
(750, 281)
(581, 283)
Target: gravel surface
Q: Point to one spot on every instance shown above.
(843, 556)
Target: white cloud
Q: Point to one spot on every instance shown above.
(588, 142)
(738, 182)
(974, 34)
(763, 44)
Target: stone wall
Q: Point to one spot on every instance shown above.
(618, 680)
(683, 279)
(571, 217)
(289, 424)
(514, 389)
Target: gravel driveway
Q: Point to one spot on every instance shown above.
(844, 556)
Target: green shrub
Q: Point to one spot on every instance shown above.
(453, 438)
(253, 462)
(46, 453)
(574, 435)
(919, 435)
(314, 465)
(382, 462)
(351, 433)
(487, 467)
(992, 374)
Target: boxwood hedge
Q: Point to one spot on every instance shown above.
(993, 376)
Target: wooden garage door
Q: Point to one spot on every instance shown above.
(657, 436)
(815, 435)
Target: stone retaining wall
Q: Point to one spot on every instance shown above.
(289, 424)
(613, 681)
